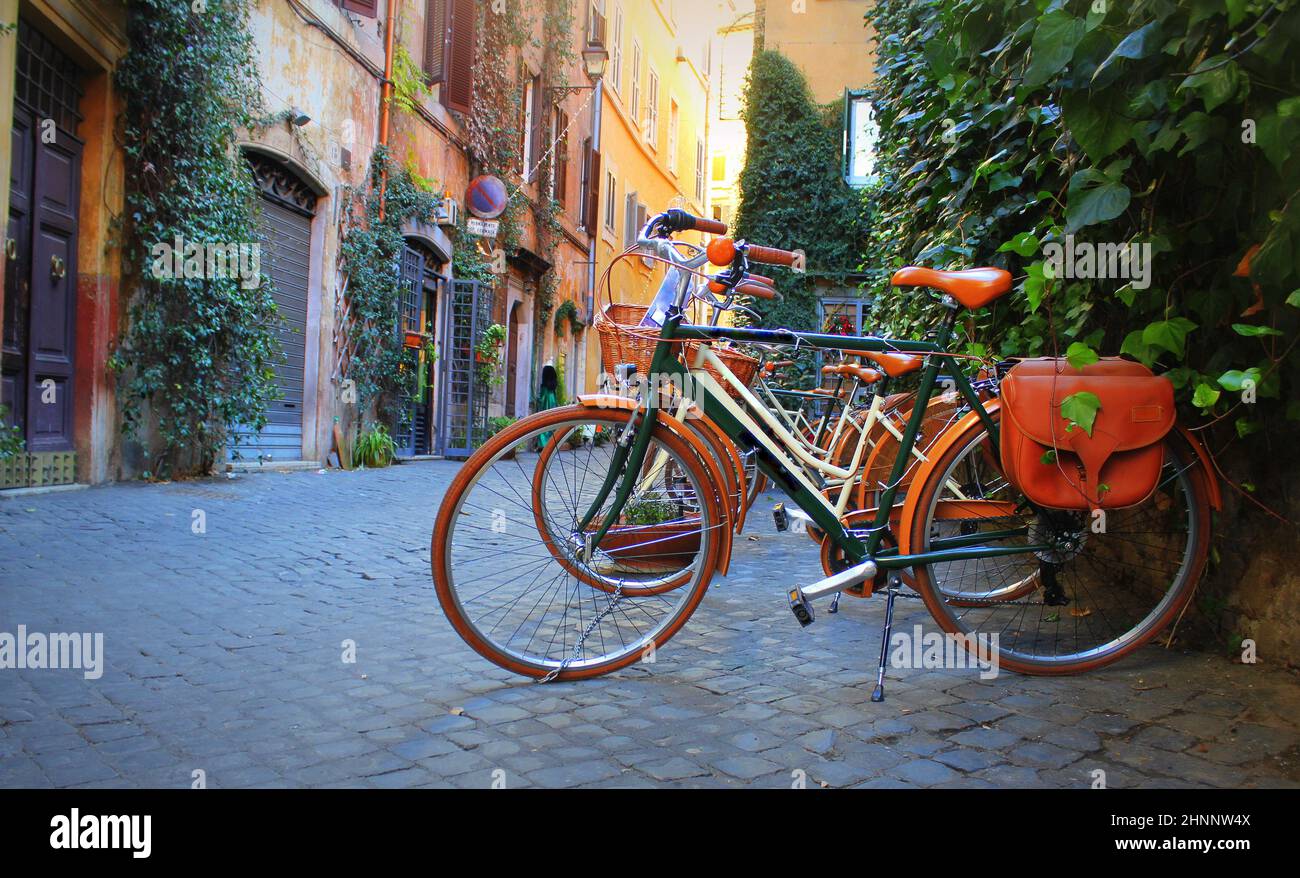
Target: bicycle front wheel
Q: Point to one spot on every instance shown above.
(541, 599)
(1092, 591)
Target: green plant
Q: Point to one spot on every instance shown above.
(383, 369)
(409, 85)
(1014, 131)
(374, 447)
(649, 510)
(792, 192)
(568, 311)
(497, 424)
(11, 437)
(489, 351)
(561, 386)
(197, 353)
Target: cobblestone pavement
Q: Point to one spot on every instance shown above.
(224, 654)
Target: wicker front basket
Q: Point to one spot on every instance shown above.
(617, 326)
(744, 367)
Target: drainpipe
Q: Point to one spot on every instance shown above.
(386, 93)
(594, 232)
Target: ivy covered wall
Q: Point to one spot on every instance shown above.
(792, 193)
(1030, 135)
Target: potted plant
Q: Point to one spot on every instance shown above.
(496, 425)
(487, 353)
(374, 447)
(652, 536)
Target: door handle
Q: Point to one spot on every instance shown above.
(58, 268)
(11, 248)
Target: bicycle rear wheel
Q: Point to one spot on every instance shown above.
(539, 600)
(1100, 590)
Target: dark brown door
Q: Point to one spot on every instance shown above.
(512, 359)
(41, 281)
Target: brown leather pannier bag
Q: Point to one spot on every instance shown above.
(1117, 466)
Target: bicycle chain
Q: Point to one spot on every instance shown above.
(577, 649)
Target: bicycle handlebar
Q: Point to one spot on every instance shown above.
(771, 255)
(677, 220)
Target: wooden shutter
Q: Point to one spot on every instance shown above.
(561, 155)
(368, 8)
(436, 34)
(593, 193)
(461, 46)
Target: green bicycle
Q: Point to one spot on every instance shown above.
(556, 569)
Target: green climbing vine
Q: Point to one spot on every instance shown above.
(792, 192)
(1031, 135)
(383, 369)
(198, 350)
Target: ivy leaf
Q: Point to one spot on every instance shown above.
(1034, 284)
(1055, 39)
(1080, 355)
(1169, 334)
(1098, 123)
(1049, 457)
(1234, 380)
(1294, 299)
(1141, 43)
(1024, 244)
(1205, 396)
(1080, 409)
(1138, 349)
(1094, 198)
(1251, 331)
(1215, 80)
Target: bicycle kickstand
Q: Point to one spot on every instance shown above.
(835, 603)
(879, 694)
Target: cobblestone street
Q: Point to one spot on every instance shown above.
(223, 653)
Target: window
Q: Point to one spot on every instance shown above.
(527, 129)
(720, 167)
(861, 133)
(634, 107)
(584, 186)
(560, 159)
(700, 158)
(652, 111)
(673, 122)
(616, 51)
(630, 228)
(596, 21)
(611, 199)
(449, 45)
(368, 8)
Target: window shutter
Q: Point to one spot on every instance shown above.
(561, 155)
(461, 45)
(435, 40)
(593, 194)
(368, 8)
(630, 228)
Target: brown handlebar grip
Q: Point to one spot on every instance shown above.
(711, 227)
(758, 291)
(758, 278)
(781, 364)
(770, 255)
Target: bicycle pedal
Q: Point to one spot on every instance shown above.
(780, 517)
(801, 606)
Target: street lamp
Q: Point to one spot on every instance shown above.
(595, 57)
